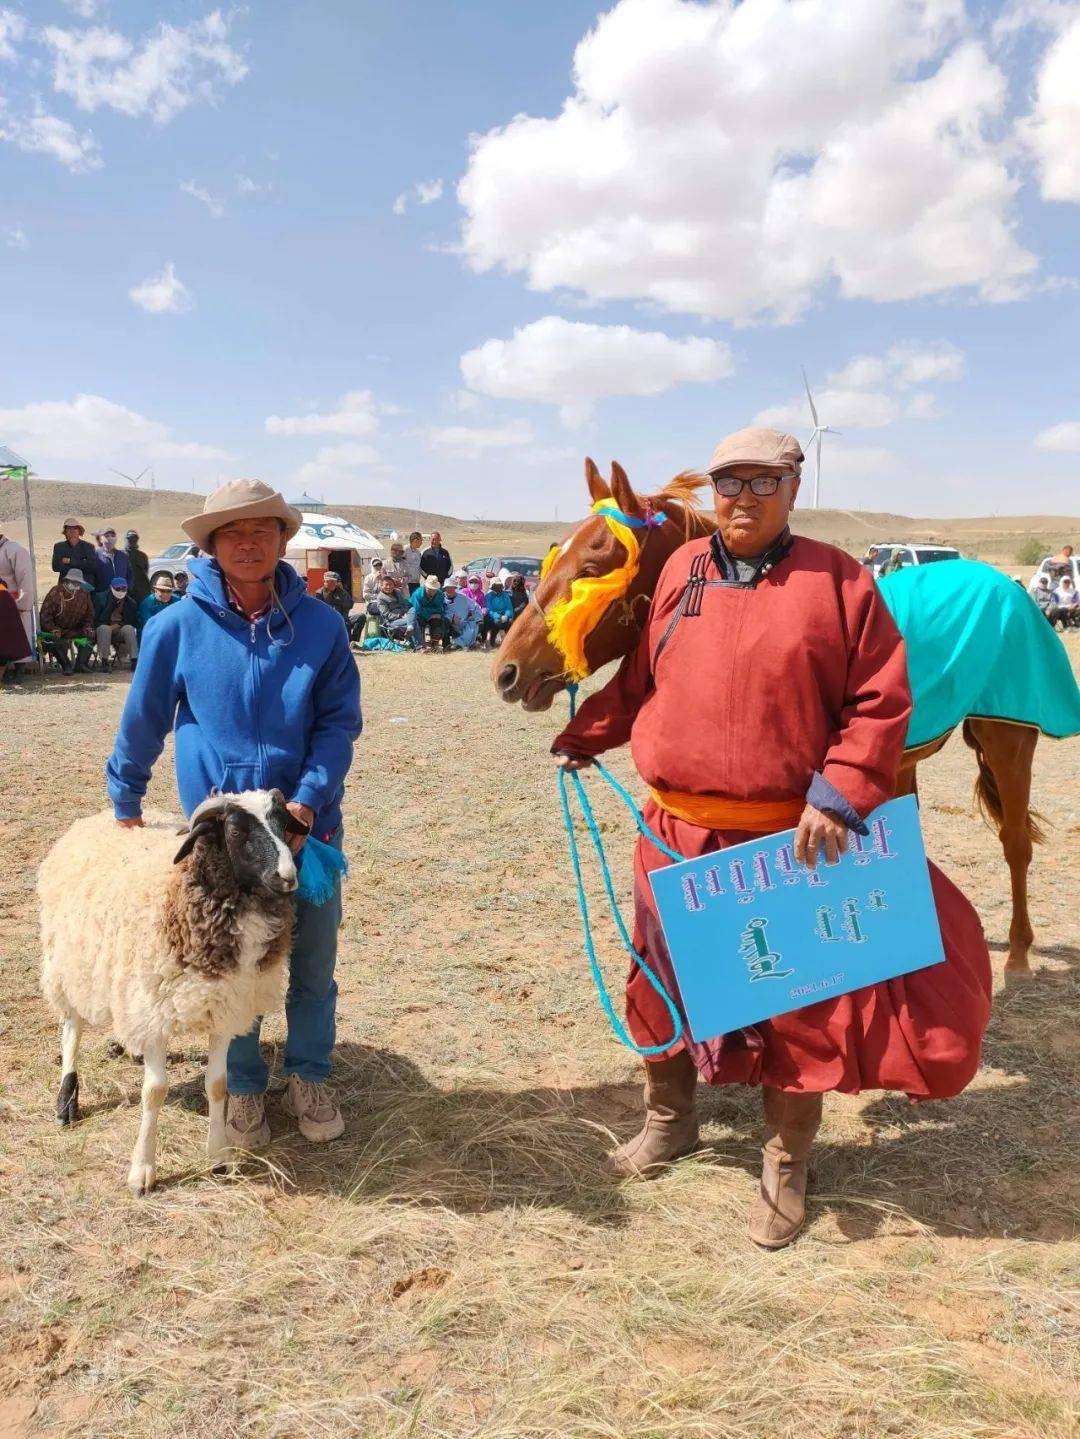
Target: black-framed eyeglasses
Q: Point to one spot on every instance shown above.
(729, 486)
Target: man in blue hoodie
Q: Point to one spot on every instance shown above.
(258, 681)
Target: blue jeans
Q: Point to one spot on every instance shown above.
(310, 1002)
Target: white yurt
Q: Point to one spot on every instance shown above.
(328, 542)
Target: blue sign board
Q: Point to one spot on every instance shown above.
(753, 934)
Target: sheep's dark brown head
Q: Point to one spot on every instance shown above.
(250, 829)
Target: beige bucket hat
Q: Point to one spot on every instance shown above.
(241, 500)
(757, 446)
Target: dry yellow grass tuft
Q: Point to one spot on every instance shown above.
(456, 1266)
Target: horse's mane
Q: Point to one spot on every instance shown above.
(679, 495)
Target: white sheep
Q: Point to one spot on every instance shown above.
(156, 941)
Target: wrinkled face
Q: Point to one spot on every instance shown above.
(248, 550)
(252, 828)
(749, 523)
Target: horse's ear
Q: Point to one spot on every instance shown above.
(623, 491)
(597, 484)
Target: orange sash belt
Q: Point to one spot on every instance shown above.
(714, 811)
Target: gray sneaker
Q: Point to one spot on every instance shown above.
(314, 1108)
(245, 1121)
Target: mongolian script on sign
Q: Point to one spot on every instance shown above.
(752, 933)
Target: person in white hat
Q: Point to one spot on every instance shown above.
(258, 681)
(428, 614)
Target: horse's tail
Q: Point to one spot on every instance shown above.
(988, 796)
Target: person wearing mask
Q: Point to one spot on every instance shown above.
(463, 617)
(373, 580)
(474, 588)
(334, 594)
(435, 560)
(427, 615)
(139, 580)
(390, 609)
(116, 618)
(519, 594)
(67, 615)
(257, 681)
(160, 598)
(17, 577)
(73, 552)
(1066, 604)
(498, 613)
(112, 564)
(411, 560)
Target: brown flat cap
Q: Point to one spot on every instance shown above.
(240, 500)
(756, 446)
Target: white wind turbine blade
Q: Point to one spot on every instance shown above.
(810, 398)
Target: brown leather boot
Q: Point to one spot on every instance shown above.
(671, 1126)
(779, 1212)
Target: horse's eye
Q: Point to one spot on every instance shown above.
(589, 572)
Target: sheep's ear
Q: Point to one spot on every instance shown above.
(197, 832)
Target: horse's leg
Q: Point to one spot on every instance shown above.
(1006, 751)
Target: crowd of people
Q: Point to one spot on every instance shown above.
(1056, 594)
(417, 599)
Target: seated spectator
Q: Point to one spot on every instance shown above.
(390, 610)
(1066, 605)
(75, 552)
(428, 613)
(499, 613)
(474, 588)
(14, 645)
(373, 580)
(117, 622)
(160, 598)
(67, 615)
(181, 581)
(1043, 596)
(519, 594)
(334, 594)
(463, 617)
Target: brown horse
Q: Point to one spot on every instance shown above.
(529, 669)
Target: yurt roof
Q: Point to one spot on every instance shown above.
(332, 532)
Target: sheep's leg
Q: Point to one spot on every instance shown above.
(216, 1088)
(67, 1101)
(143, 1172)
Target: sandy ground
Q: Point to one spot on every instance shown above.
(456, 1266)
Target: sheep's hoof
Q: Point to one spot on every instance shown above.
(67, 1101)
(141, 1179)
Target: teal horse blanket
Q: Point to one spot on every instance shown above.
(978, 645)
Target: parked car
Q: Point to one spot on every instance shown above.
(527, 565)
(889, 551)
(172, 559)
(1055, 571)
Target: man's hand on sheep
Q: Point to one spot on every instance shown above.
(306, 816)
(136, 823)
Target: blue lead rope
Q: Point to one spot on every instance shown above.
(616, 1023)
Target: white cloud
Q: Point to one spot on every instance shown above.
(573, 364)
(336, 465)
(12, 30)
(203, 195)
(1052, 129)
(924, 364)
(922, 405)
(245, 185)
(85, 9)
(15, 237)
(163, 294)
(401, 203)
(844, 409)
(867, 392)
(428, 191)
(356, 416)
(1064, 438)
(863, 370)
(168, 70)
(697, 166)
(44, 134)
(92, 428)
(471, 442)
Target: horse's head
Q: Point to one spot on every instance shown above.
(595, 589)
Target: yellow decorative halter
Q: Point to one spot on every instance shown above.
(570, 621)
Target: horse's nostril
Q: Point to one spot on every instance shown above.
(508, 676)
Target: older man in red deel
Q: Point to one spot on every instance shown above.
(769, 690)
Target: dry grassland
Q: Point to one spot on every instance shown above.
(456, 1266)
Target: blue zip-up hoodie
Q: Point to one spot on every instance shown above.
(269, 704)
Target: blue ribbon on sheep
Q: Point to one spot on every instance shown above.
(319, 869)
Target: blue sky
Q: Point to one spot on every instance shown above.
(388, 250)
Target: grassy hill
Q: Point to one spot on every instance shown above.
(996, 539)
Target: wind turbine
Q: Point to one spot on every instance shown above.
(815, 440)
(131, 479)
